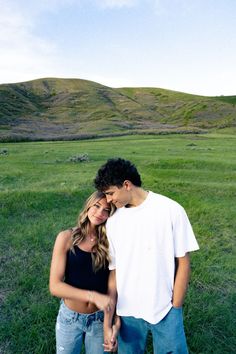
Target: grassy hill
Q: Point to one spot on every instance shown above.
(47, 109)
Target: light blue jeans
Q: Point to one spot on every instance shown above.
(73, 329)
(168, 334)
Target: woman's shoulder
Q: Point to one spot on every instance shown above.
(64, 234)
(64, 238)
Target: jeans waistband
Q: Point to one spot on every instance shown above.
(94, 316)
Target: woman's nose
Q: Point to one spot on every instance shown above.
(100, 212)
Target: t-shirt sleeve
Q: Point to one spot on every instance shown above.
(184, 238)
(112, 263)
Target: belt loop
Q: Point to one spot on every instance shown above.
(99, 315)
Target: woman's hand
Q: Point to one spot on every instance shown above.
(103, 302)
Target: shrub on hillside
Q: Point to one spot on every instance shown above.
(79, 158)
(4, 151)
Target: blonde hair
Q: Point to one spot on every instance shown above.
(100, 253)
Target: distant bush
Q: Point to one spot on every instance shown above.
(4, 151)
(79, 158)
(191, 144)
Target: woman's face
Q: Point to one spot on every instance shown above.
(99, 212)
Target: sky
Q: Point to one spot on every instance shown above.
(181, 45)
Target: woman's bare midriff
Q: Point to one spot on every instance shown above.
(81, 307)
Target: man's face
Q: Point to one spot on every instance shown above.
(120, 197)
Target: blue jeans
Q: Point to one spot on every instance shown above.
(168, 334)
(73, 329)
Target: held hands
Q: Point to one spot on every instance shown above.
(110, 336)
(107, 304)
(103, 302)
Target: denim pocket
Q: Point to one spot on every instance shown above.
(176, 314)
(177, 308)
(66, 316)
(97, 328)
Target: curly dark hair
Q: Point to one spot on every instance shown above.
(114, 172)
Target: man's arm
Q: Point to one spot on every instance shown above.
(110, 330)
(182, 275)
(113, 294)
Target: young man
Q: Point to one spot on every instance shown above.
(150, 238)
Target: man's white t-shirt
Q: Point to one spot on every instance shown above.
(144, 242)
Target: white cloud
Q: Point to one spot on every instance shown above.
(50, 5)
(23, 54)
(116, 3)
(168, 7)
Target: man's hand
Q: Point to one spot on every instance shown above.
(110, 336)
(108, 343)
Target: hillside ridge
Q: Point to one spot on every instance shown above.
(55, 109)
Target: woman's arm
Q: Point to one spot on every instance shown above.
(59, 288)
(182, 276)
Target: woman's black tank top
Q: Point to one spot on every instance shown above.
(79, 272)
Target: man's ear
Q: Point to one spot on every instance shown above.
(127, 184)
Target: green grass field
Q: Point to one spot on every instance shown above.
(41, 193)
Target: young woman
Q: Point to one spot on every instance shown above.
(79, 276)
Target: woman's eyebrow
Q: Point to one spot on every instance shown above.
(101, 205)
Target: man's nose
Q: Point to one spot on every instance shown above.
(109, 198)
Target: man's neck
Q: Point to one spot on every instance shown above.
(138, 197)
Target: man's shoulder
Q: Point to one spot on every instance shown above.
(163, 200)
(163, 204)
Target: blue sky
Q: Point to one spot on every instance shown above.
(183, 45)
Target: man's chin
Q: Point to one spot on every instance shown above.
(118, 205)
